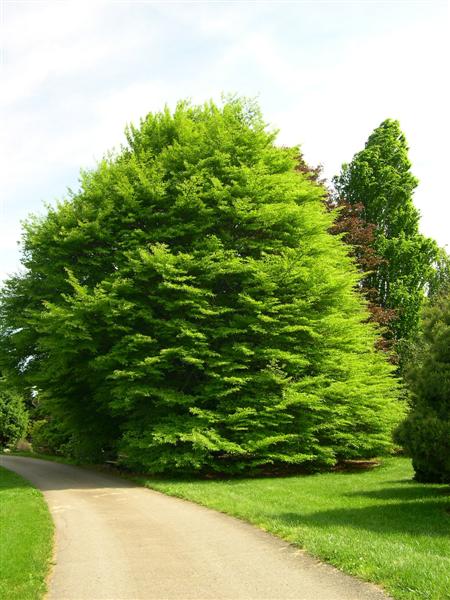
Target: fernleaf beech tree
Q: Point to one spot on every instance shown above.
(189, 310)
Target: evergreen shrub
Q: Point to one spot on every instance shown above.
(426, 432)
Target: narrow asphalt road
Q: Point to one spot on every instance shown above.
(117, 541)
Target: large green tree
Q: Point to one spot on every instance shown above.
(378, 183)
(189, 309)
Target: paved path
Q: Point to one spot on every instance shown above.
(117, 541)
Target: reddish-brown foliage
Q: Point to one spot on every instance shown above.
(359, 235)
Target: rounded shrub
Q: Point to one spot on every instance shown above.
(47, 437)
(13, 416)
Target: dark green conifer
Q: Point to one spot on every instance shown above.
(426, 432)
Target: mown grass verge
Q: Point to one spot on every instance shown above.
(26, 539)
(379, 525)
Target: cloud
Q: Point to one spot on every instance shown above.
(42, 40)
(326, 75)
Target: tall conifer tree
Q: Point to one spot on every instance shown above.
(189, 308)
(379, 185)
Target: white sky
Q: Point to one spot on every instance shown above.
(326, 74)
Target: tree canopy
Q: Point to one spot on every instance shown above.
(188, 308)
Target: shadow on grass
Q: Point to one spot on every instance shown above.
(424, 518)
(405, 491)
(11, 481)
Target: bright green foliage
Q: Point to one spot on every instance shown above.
(380, 179)
(426, 432)
(13, 416)
(440, 282)
(189, 309)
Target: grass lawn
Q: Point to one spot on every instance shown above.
(26, 539)
(379, 524)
